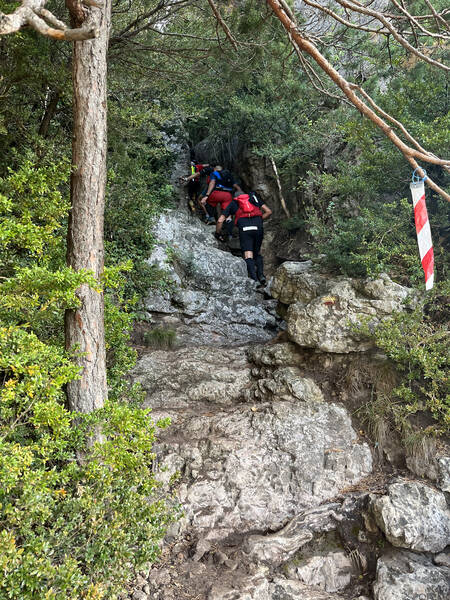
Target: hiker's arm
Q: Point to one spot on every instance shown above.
(193, 176)
(211, 186)
(266, 211)
(237, 188)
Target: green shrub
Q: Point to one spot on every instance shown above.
(71, 528)
(160, 337)
(417, 342)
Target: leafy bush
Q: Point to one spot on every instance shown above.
(378, 239)
(70, 529)
(74, 524)
(417, 342)
(160, 337)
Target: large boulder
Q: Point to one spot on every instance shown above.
(252, 452)
(190, 377)
(414, 515)
(209, 298)
(260, 587)
(408, 576)
(322, 312)
(255, 466)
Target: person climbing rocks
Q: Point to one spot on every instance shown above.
(249, 213)
(194, 184)
(219, 192)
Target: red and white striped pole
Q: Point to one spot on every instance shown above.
(423, 230)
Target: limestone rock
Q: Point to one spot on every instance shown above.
(444, 473)
(322, 311)
(247, 469)
(289, 589)
(258, 587)
(210, 292)
(293, 282)
(331, 572)
(285, 355)
(442, 560)
(285, 383)
(407, 576)
(279, 547)
(415, 516)
(247, 464)
(254, 587)
(183, 377)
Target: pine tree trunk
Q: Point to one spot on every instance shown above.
(84, 327)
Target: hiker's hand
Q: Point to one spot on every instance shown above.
(203, 200)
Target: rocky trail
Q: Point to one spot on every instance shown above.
(283, 497)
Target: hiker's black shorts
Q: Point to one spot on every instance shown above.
(251, 235)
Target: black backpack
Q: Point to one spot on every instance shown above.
(226, 180)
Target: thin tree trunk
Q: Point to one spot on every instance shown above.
(280, 191)
(49, 114)
(84, 327)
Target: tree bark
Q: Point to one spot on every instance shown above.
(84, 327)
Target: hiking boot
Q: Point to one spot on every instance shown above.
(262, 280)
(221, 237)
(210, 220)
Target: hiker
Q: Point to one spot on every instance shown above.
(220, 190)
(193, 183)
(249, 213)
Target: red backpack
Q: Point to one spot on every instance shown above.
(246, 208)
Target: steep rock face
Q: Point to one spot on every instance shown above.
(258, 587)
(266, 458)
(444, 473)
(415, 516)
(252, 453)
(408, 576)
(210, 299)
(322, 311)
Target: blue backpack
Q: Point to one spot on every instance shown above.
(224, 180)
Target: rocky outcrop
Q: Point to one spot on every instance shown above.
(408, 576)
(271, 472)
(209, 298)
(415, 516)
(322, 312)
(259, 587)
(252, 453)
(444, 473)
(193, 378)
